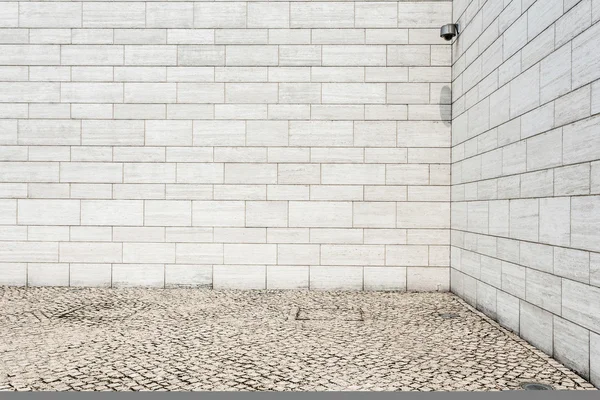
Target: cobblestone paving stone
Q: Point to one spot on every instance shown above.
(187, 339)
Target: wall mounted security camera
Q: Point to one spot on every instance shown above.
(449, 31)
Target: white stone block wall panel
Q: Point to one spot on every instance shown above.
(231, 144)
(525, 147)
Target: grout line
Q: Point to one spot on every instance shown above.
(517, 339)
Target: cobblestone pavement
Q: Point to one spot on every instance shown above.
(185, 339)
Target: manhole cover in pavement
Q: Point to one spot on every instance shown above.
(536, 386)
(105, 311)
(328, 314)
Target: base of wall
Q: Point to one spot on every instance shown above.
(227, 276)
(510, 333)
(571, 344)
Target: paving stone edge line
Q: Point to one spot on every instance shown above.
(514, 337)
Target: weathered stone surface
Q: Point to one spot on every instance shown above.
(190, 339)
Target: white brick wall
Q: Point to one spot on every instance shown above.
(525, 151)
(237, 144)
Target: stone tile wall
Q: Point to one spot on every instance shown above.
(228, 143)
(525, 171)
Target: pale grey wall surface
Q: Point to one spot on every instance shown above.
(307, 144)
(525, 171)
(240, 144)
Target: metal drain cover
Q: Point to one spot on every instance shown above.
(105, 311)
(327, 314)
(535, 386)
(448, 315)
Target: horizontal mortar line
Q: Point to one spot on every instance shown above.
(117, 45)
(469, 23)
(133, 147)
(518, 116)
(267, 228)
(500, 34)
(233, 264)
(508, 27)
(524, 266)
(243, 266)
(356, 200)
(528, 172)
(349, 244)
(256, 200)
(466, 5)
(231, 228)
(357, 104)
(220, 199)
(207, 185)
(530, 67)
(521, 139)
(257, 82)
(527, 301)
(524, 198)
(216, 28)
(523, 240)
(176, 146)
(214, 67)
(116, 162)
(220, 244)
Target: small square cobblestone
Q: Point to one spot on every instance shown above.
(199, 340)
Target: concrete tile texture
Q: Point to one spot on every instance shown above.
(189, 339)
(239, 144)
(524, 150)
(310, 145)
